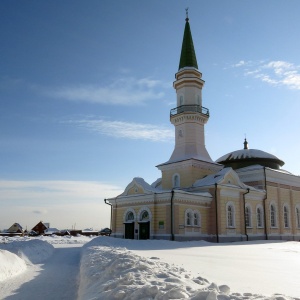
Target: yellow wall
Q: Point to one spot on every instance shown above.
(187, 175)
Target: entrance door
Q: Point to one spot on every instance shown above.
(144, 231)
(129, 230)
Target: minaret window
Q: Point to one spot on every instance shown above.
(176, 181)
(180, 134)
(180, 100)
(198, 100)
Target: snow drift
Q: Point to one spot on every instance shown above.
(111, 272)
(31, 250)
(15, 255)
(10, 265)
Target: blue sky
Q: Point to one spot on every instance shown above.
(86, 90)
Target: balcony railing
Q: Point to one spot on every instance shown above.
(189, 108)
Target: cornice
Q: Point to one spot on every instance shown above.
(282, 178)
(188, 117)
(188, 81)
(190, 162)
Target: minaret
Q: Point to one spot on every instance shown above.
(190, 160)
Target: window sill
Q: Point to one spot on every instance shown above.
(192, 226)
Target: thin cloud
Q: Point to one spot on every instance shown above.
(239, 64)
(63, 203)
(123, 91)
(39, 212)
(126, 130)
(276, 73)
(56, 189)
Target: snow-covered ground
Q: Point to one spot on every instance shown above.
(108, 268)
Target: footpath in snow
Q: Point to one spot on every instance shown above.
(51, 271)
(108, 268)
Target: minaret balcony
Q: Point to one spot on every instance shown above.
(189, 109)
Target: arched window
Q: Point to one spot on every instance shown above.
(129, 216)
(144, 216)
(273, 215)
(196, 218)
(259, 217)
(248, 216)
(298, 217)
(192, 218)
(230, 215)
(188, 218)
(286, 217)
(176, 181)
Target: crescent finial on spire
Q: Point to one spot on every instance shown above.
(187, 14)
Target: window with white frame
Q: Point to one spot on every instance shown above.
(188, 218)
(196, 218)
(259, 216)
(176, 181)
(248, 216)
(286, 217)
(230, 215)
(298, 217)
(273, 215)
(192, 218)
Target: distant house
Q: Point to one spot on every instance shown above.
(15, 228)
(89, 231)
(40, 227)
(50, 231)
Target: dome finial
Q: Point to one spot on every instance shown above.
(246, 144)
(187, 14)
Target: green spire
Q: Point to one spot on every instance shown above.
(188, 55)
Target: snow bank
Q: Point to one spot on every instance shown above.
(111, 272)
(10, 265)
(67, 239)
(30, 250)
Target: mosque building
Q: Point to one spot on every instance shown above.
(243, 195)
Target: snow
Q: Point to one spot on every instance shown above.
(31, 251)
(246, 153)
(10, 265)
(127, 269)
(56, 267)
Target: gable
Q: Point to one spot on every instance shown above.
(138, 186)
(135, 189)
